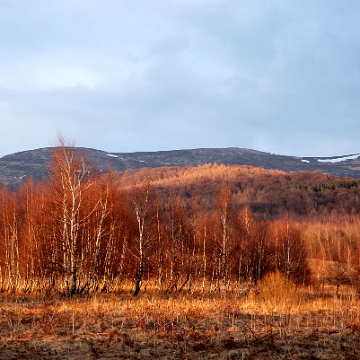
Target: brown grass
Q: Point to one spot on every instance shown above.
(262, 325)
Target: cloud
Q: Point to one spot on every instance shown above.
(278, 76)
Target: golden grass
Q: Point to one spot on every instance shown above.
(182, 326)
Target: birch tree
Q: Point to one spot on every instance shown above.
(141, 206)
(71, 178)
(224, 209)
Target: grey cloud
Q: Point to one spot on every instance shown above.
(278, 76)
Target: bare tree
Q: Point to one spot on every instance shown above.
(140, 200)
(71, 177)
(291, 254)
(224, 209)
(10, 238)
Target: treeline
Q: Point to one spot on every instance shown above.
(175, 229)
(82, 231)
(333, 246)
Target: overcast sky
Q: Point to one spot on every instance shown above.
(123, 76)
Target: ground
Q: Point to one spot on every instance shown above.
(180, 326)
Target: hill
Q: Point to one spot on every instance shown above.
(268, 193)
(14, 168)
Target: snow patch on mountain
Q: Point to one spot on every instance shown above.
(340, 159)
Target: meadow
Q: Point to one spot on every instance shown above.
(277, 321)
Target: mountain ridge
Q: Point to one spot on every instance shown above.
(16, 167)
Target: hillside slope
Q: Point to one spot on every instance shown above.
(16, 167)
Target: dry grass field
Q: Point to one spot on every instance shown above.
(278, 321)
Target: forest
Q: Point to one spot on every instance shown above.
(210, 228)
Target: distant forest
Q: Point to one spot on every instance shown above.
(206, 228)
(270, 194)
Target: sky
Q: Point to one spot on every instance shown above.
(280, 76)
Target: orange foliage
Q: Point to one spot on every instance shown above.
(212, 226)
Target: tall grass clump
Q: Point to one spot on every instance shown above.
(278, 294)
